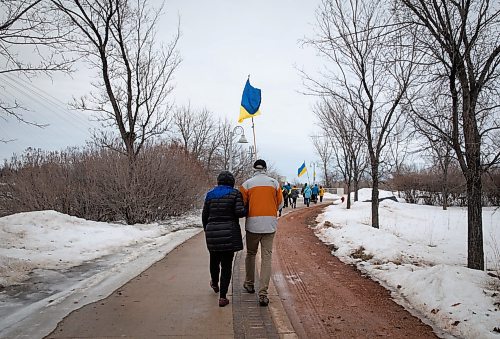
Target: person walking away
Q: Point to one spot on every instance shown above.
(263, 198)
(315, 193)
(220, 217)
(307, 195)
(294, 195)
(321, 193)
(289, 190)
(285, 197)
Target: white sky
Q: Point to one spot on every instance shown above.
(222, 42)
(419, 254)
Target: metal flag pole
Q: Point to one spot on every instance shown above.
(308, 179)
(254, 142)
(314, 172)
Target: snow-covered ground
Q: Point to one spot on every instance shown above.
(52, 263)
(420, 254)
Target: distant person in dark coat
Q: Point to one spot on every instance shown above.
(294, 195)
(315, 192)
(221, 212)
(285, 196)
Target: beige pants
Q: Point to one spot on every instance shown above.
(266, 251)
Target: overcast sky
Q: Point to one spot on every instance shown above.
(222, 43)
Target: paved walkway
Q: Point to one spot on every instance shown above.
(173, 299)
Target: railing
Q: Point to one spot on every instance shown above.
(338, 191)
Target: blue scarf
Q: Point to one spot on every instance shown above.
(218, 192)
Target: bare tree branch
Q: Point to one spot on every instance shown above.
(463, 38)
(28, 28)
(372, 66)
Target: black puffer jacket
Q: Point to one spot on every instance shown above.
(221, 212)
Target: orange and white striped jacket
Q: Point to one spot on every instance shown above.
(263, 198)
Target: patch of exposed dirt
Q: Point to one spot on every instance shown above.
(326, 298)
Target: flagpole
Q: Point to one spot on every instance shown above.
(308, 179)
(254, 142)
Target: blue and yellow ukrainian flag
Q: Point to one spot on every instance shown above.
(302, 169)
(250, 102)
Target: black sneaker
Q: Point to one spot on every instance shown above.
(214, 287)
(263, 300)
(223, 302)
(248, 288)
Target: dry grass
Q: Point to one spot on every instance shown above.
(360, 253)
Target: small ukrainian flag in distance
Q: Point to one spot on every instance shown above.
(302, 169)
(250, 102)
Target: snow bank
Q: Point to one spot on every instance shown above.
(64, 263)
(52, 240)
(420, 254)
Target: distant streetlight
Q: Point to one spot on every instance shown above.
(238, 130)
(313, 165)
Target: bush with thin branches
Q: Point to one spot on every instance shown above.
(92, 184)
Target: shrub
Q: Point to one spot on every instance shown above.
(96, 184)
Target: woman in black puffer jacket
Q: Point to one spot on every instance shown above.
(221, 212)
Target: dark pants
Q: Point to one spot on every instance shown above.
(320, 198)
(307, 201)
(221, 262)
(294, 202)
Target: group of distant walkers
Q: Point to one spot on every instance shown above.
(290, 195)
(259, 199)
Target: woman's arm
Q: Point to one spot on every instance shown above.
(239, 207)
(204, 214)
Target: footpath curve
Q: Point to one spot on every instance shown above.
(325, 298)
(310, 289)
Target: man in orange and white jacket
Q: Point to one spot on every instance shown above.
(263, 198)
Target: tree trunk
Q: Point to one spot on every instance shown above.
(375, 203)
(445, 197)
(445, 188)
(348, 195)
(475, 254)
(356, 187)
(327, 179)
(130, 197)
(444, 182)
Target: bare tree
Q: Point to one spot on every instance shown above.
(373, 66)
(332, 118)
(211, 158)
(27, 28)
(399, 144)
(208, 140)
(195, 129)
(211, 141)
(461, 40)
(342, 129)
(324, 150)
(242, 159)
(118, 38)
(436, 143)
